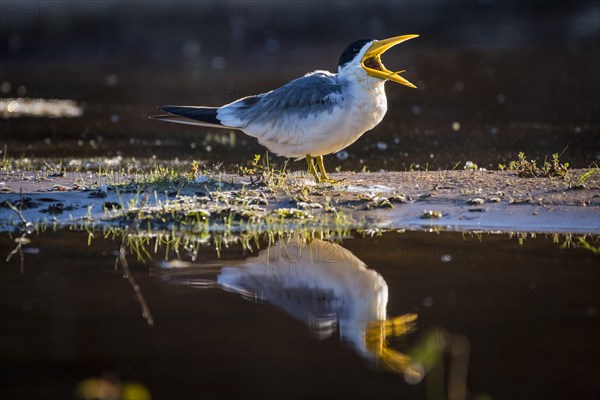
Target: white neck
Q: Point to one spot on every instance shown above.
(354, 72)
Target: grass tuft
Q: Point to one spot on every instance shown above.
(529, 168)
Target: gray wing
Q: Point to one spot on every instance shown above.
(318, 91)
(317, 307)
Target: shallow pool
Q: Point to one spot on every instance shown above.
(476, 315)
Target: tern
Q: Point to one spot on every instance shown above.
(318, 282)
(318, 114)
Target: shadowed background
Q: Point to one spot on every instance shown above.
(494, 77)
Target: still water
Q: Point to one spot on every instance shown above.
(411, 315)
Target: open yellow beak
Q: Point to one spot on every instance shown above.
(371, 61)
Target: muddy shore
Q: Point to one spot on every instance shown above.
(448, 200)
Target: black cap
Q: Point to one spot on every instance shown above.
(352, 50)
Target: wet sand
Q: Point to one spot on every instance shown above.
(449, 200)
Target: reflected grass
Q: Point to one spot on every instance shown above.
(437, 359)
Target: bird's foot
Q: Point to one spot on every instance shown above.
(324, 178)
(311, 168)
(329, 180)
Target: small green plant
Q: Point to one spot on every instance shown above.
(4, 164)
(591, 245)
(529, 169)
(264, 172)
(471, 166)
(161, 177)
(252, 169)
(193, 174)
(580, 183)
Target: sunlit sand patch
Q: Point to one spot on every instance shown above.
(40, 108)
(371, 188)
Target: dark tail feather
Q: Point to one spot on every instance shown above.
(204, 116)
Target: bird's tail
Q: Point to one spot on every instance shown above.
(202, 116)
(203, 275)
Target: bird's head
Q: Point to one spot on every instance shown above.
(367, 53)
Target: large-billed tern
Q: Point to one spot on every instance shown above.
(318, 282)
(312, 116)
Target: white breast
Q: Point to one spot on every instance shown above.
(367, 107)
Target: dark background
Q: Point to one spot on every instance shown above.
(516, 75)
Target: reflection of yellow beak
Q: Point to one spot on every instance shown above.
(376, 340)
(371, 61)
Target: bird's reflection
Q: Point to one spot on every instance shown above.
(318, 282)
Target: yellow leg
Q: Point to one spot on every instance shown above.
(311, 167)
(324, 176)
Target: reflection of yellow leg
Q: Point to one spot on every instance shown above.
(375, 338)
(311, 167)
(324, 176)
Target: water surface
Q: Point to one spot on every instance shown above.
(520, 316)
